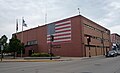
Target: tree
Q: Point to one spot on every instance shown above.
(3, 41)
(15, 45)
(6, 48)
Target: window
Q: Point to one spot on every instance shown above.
(91, 27)
(98, 38)
(33, 42)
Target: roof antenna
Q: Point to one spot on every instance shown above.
(45, 14)
(79, 11)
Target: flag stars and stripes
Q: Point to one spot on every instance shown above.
(23, 23)
(62, 32)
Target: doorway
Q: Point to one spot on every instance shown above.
(30, 52)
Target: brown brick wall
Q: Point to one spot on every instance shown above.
(96, 32)
(78, 45)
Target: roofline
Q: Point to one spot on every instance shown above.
(115, 34)
(64, 19)
(47, 24)
(95, 22)
(30, 29)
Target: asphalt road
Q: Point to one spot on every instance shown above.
(93, 65)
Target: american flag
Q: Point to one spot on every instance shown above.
(61, 32)
(16, 25)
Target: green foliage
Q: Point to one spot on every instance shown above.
(36, 55)
(14, 45)
(21, 48)
(6, 48)
(3, 40)
(40, 55)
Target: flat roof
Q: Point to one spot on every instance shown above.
(64, 19)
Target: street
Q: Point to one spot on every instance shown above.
(89, 65)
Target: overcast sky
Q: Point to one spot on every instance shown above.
(104, 12)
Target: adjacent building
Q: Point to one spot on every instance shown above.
(76, 36)
(115, 39)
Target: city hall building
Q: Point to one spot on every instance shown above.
(76, 36)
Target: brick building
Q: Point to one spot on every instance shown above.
(115, 39)
(75, 37)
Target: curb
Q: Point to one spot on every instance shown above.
(48, 60)
(37, 58)
(54, 60)
(29, 61)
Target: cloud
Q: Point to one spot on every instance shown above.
(113, 14)
(104, 12)
(115, 29)
(12, 9)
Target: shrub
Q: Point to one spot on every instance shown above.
(44, 55)
(35, 55)
(41, 55)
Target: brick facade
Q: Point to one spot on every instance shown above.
(82, 28)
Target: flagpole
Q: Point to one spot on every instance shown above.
(46, 18)
(16, 32)
(22, 35)
(46, 15)
(16, 25)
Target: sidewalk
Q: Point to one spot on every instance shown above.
(48, 60)
(79, 58)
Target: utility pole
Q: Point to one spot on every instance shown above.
(22, 36)
(102, 41)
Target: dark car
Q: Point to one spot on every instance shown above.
(111, 53)
(118, 52)
(116, 49)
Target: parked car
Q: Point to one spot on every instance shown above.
(111, 53)
(118, 52)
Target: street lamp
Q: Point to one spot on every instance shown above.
(88, 42)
